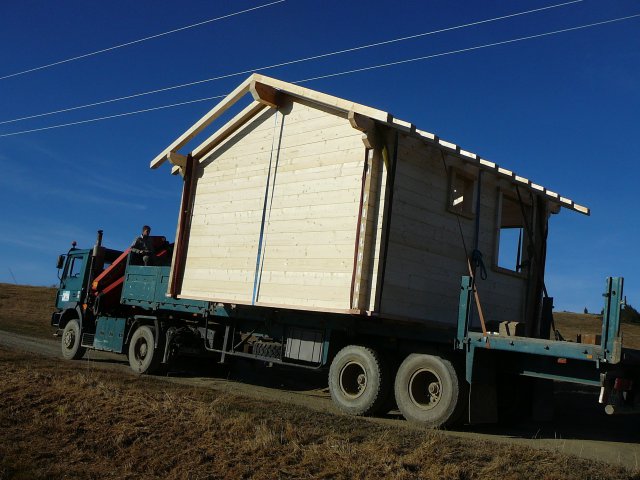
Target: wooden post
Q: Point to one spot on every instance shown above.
(392, 160)
(182, 232)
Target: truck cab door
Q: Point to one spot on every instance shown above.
(73, 281)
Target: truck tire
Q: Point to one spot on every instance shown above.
(358, 381)
(428, 391)
(71, 341)
(144, 356)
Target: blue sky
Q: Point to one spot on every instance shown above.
(561, 110)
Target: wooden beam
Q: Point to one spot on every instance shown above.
(360, 122)
(366, 125)
(204, 122)
(265, 94)
(227, 130)
(182, 232)
(177, 159)
(323, 99)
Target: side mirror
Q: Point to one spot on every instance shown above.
(60, 263)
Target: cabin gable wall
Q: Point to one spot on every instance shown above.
(275, 212)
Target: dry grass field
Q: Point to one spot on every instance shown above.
(58, 421)
(27, 310)
(571, 324)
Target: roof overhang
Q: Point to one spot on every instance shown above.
(271, 93)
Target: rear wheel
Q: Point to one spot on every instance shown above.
(358, 381)
(427, 391)
(144, 356)
(71, 341)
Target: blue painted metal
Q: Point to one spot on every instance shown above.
(611, 342)
(529, 354)
(560, 378)
(146, 287)
(71, 287)
(466, 287)
(538, 346)
(109, 334)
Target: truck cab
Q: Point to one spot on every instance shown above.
(73, 279)
(77, 269)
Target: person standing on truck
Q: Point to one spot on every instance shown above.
(142, 248)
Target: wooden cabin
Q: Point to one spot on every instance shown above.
(307, 201)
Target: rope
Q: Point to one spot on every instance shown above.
(477, 262)
(476, 296)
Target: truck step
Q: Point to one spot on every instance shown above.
(87, 340)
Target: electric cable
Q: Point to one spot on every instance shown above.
(140, 40)
(286, 63)
(468, 49)
(107, 117)
(346, 72)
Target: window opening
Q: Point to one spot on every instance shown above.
(461, 193)
(76, 267)
(511, 242)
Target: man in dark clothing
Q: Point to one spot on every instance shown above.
(142, 247)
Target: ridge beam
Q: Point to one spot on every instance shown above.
(266, 94)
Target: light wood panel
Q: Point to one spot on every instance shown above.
(307, 175)
(311, 197)
(426, 257)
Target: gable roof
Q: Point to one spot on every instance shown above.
(266, 92)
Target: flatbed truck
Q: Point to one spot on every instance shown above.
(437, 374)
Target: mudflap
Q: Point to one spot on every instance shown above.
(542, 405)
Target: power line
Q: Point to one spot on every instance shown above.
(468, 49)
(161, 107)
(140, 40)
(347, 72)
(290, 62)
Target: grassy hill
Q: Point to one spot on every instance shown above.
(27, 310)
(571, 324)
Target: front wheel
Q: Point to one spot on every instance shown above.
(359, 381)
(71, 341)
(428, 391)
(144, 356)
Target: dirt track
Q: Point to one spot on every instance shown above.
(582, 429)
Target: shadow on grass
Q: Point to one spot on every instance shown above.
(577, 412)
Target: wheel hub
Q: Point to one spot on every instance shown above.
(68, 339)
(425, 389)
(353, 379)
(141, 350)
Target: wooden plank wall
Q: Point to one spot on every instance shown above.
(371, 227)
(310, 234)
(307, 164)
(225, 224)
(426, 258)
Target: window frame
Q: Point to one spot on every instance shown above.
(73, 263)
(502, 193)
(454, 174)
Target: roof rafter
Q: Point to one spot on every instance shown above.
(270, 92)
